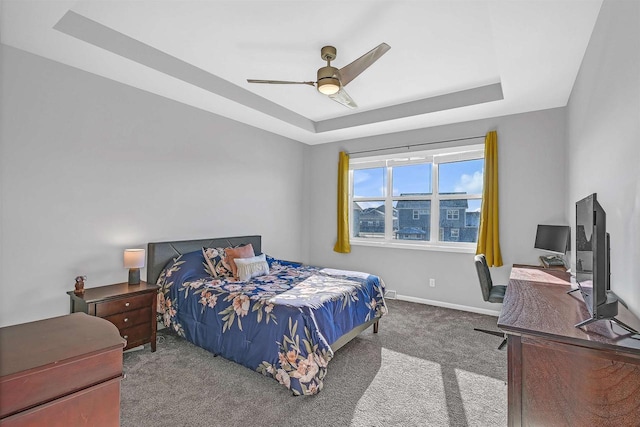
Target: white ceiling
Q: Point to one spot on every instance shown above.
(450, 61)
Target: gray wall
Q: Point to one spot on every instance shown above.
(532, 183)
(603, 138)
(91, 167)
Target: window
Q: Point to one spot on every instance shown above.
(408, 195)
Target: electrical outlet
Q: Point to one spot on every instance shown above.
(432, 283)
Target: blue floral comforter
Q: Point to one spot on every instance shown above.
(281, 324)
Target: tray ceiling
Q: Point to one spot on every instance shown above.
(450, 61)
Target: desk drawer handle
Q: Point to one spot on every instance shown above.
(126, 304)
(125, 337)
(126, 319)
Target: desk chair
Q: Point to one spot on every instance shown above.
(489, 293)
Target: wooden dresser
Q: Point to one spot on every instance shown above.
(63, 371)
(132, 308)
(560, 375)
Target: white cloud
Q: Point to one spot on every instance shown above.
(360, 177)
(470, 184)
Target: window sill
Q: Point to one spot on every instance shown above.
(438, 247)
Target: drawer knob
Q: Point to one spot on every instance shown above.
(126, 319)
(125, 337)
(126, 304)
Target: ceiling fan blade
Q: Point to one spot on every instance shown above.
(353, 70)
(342, 97)
(281, 82)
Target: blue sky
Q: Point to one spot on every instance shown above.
(463, 176)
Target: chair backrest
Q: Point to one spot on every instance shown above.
(484, 276)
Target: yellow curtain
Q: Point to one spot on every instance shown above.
(342, 245)
(489, 233)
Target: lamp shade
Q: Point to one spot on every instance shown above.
(134, 258)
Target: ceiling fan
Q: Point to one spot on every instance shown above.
(331, 81)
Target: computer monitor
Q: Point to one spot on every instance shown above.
(553, 238)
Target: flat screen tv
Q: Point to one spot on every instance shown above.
(592, 262)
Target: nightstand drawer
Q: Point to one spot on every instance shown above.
(131, 308)
(137, 333)
(107, 308)
(130, 318)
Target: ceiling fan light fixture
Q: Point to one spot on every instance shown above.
(328, 81)
(328, 86)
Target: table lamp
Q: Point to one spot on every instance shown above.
(134, 261)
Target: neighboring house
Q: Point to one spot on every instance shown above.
(414, 219)
(471, 227)
(456, 223)
(412, 233)
(369, 222)
(453, 222)
(355, 221)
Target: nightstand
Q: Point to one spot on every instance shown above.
(132, 308)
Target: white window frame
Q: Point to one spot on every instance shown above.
(416, 214)
(453, 214)
(435, 158)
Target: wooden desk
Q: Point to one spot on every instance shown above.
(542, 267)
(559, 374)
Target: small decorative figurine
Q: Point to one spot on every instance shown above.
(80, 285)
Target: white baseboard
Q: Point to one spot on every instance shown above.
(449, 305)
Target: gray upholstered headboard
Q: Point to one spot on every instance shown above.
(160, 253)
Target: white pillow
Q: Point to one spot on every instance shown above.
(251, 267)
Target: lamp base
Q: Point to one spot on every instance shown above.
(134, 276)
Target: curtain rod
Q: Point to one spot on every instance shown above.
(416, 145)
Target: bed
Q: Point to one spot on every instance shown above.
(286, 323)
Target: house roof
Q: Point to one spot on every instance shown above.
(411, 230)
(413, 204)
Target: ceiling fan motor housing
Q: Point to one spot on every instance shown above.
(328, 80)
(328, 53)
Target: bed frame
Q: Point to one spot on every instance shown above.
(160, 253)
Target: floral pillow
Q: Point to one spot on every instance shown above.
(248, 268)
(216, 261)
